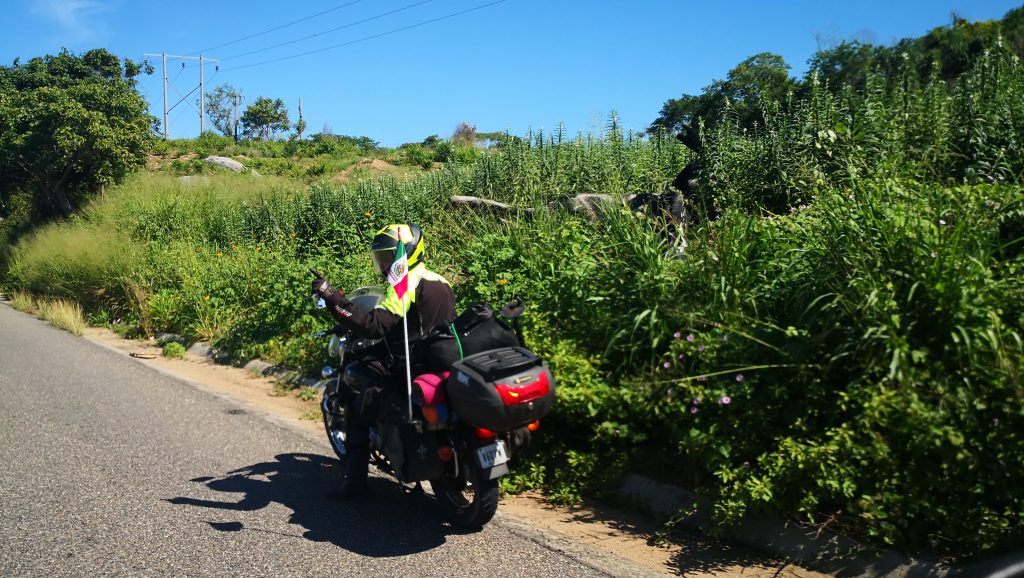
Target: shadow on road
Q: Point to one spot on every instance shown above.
(389, 523)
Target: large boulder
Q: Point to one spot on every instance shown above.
(225, 163)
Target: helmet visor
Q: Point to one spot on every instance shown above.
(383, 259)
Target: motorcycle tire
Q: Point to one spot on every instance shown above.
(468, 500)
(333, 411)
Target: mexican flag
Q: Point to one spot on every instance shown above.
(398, 277)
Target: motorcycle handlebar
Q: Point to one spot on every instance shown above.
(336, 330)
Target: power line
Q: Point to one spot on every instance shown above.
(404, 28)
(183, 98)
(276, 28)
(326, 31)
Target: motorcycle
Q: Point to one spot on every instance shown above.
(460, 427)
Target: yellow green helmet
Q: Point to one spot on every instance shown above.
(385, 245)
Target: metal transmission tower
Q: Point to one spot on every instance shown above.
(202, 88)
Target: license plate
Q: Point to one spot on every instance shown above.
(492, 455)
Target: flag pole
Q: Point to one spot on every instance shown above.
(408, 362)
(405, 330)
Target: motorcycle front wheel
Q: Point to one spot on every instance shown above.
(333, 410)
(468, 500)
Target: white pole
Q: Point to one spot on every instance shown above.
(202, 108)
(405, 327)
(165, 95)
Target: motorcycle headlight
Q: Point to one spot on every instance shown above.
(327, 371)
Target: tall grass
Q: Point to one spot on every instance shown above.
(23, 301)
(63, 314)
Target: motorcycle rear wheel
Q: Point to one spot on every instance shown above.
(334, 423)
(470, 501)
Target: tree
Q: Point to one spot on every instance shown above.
(69, 125)
(220, 108)
(264, 118)
(757, 80)
(464, 135)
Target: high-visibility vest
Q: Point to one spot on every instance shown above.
(418, 273)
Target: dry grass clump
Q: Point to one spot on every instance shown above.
(23, 302)
(63, 314)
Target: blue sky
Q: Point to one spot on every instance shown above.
(407, 69)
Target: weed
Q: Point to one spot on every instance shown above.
(63, 314)
(174, 350)
(308, 393)
(23, 301)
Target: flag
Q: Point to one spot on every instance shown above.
(398, 277)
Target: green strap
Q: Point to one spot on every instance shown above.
(457, 340)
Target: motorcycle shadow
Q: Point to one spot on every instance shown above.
(389, 522)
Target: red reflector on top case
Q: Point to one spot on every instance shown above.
(512, 395)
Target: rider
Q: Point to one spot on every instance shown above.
(429, 301)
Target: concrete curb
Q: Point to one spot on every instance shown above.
(820, 550)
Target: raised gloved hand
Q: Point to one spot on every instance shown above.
(322, 288)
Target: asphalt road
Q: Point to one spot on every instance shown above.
(108, 467)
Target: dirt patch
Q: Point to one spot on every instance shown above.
(363, 169)
(154, 162)
(627, 534)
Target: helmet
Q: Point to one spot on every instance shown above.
(385, 245)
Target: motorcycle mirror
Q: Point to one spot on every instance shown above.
(316, 273)
(327, 371)
(513, 309)
(319, 302)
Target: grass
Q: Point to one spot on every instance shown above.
(174, 350)
(23, 301)
(63, 314)
(312, 415)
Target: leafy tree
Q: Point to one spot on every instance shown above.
(845, 64)
(69, 125)
(757, 80)
(220, 108)
(264, 118)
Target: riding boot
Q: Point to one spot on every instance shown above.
(357, 463)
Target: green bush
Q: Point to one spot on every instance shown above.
(174, 350)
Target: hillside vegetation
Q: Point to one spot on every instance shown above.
(833, 336)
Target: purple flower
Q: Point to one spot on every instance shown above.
(696, 401)
(702, 378)
(739, 377)
(725, 400)
(666, 365)
(995, 422)
(682, 356)
(694, 409)
(746, 465)
(677, 335)
(700, 348)
(690, 338)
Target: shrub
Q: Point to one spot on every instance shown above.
(174, 350)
